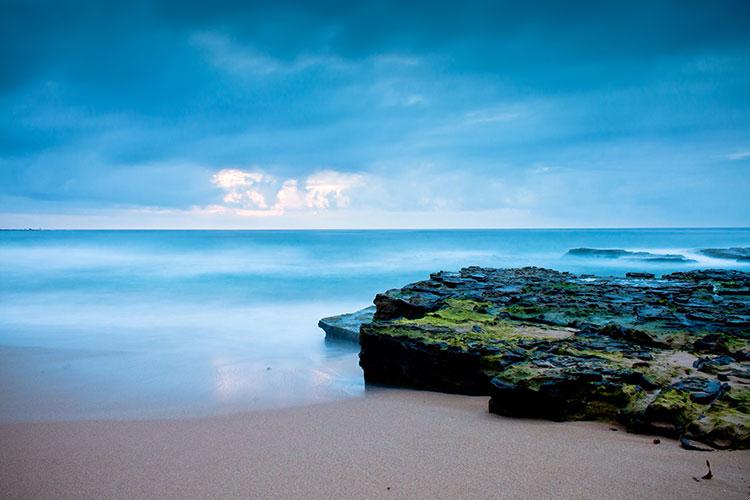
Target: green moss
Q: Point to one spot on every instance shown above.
(675, 339)
(637, 399)
(684, 340)
(455, 312)
(727, 422)
(609, 356)
(675, 406)
(739, 398)
(464, 336)
(565, 286)
(735, 344)
(460, 323)
(522, 311)
(520, 373)
(660, 374)
(600, 410)
(404, 331)
(492, 361)
(605, 401)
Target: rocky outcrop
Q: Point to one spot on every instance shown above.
(618, 253)
(346, 326)
(643, 276)
(740, 254)
(667, 355)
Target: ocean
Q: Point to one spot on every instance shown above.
(157, 324)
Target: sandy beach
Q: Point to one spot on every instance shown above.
(388, 444)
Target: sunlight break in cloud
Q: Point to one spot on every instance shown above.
(247, 192)
(329, 186)
(242, 187)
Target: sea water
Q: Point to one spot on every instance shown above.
(150, 324)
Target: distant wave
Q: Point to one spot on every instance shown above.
(618, 253)
(740, 254)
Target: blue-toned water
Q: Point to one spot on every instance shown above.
(138, 324)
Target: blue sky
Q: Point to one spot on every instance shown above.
(234, 114)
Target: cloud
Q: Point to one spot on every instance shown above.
(414, 100)
(230, 178)
(488, 116)
(247, 192)
(242, 187)
(222, 53)
(243, 59)
(329, 187)
(96, 115)
(289, 197)
(739, 155)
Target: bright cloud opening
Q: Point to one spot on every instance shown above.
(330, 187)
(247, 192)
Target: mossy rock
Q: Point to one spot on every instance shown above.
(675, 407)
(726, 423)
(555, 345)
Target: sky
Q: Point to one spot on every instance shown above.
(322, 114)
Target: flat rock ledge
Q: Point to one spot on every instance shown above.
(667, 355)
(346, 326)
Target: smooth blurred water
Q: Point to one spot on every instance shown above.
(140, 324)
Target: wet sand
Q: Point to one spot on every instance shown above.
(388, 444)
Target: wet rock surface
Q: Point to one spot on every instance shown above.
(346, 326)
(668, 355)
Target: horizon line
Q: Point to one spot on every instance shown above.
(560, 228)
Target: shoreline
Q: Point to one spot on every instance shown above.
(389, 442)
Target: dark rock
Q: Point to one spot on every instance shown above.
(712, 365)
(739, 254)
(546, 344)
(644, 276)
(690, 445)
(403, 362)
(618, 253)
(617, 331)
(568, 396)
(719, 343)
(701, 390)
(721, 276)
(346, 326)
(410, 304)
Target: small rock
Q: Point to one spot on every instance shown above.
(689, 445)
(643, 276)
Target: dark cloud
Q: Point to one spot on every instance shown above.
(137, 102)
